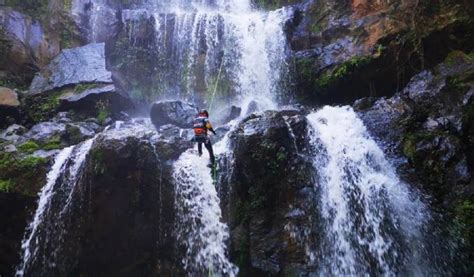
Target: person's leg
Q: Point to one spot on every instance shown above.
(199, 147)
(210, 150)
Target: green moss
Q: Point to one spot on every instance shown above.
(31, 162)
(98, 161)
(42, 107)
(102, 111)
(73, 134)
(6, 186)
(52, 143)
(341, 71)
(409, 146)
(22, 175)
(85, 86)
(465, 219)
(28, 147)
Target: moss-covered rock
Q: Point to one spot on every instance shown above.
(22, 174)
(427, 128)
(400, 39)
(268, 184)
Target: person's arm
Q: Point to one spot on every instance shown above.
(209, 127)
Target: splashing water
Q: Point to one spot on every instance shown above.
(225, 49)
(73, 158)
(199, 226)
(372, 222)
(44, 197)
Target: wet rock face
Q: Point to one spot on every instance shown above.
(428, 122)
(177, 113)
(74, 66)
(14, 210)
(120, 219)
(270, 193)
(9, 107)
(427, 130)
(76, 80)
(24, 46)
(348, 50)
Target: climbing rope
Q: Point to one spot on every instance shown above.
(217, 83)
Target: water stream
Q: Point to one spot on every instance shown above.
(212, 53)
(372, 222)
(61, 180)
(199, 225)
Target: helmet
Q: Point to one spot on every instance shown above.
(203, 113)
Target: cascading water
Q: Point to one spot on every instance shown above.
(199, 225)
(59, 181)
(215, 53)
(372, 222)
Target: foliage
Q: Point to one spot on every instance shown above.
(98, 161)
(52, 143)
(42, 107)
(21, 175)
(341, 71)
(85, 86)
(28, 147)
(6, 185)
(465, 219)
(102, 111)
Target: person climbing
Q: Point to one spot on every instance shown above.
(201, 125)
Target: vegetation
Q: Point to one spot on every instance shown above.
(21, 174)
(102, 111)
(28, 147)
(465, 219)
(52, 144)
(6, 186)
(42, 107)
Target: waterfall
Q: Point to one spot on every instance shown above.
(372, 222)
(199, 226)
(214, 53)
(59, 182)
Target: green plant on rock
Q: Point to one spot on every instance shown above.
(28, 147)
(341, 71)
(98, 162)
(102, 111)
(21, 175)
(52, 144)
(465, 220)
(85, 86)
(31, 162)
(6, 185)
(42, 107)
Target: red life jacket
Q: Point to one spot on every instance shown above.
(199, 126)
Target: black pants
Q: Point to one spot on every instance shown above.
(207, 143)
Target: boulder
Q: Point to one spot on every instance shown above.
(427, 130)
(9, 105)
(44, 131)
(120, 218)
(8, 98)
(174, 112)
(74, 66)
(25, 46)
(76, 80)
(86, 102)
(267, 195)
(348, 50)
(225, 115)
